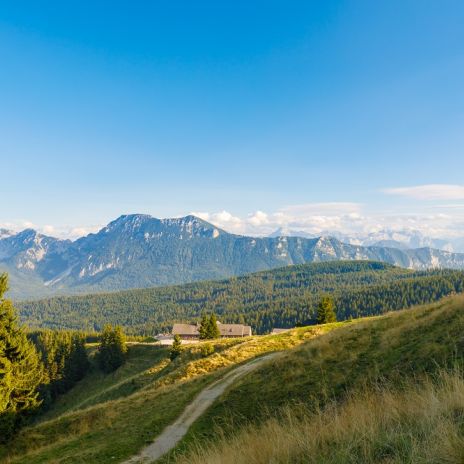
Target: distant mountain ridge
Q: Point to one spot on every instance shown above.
(138, 250)
(403, 239)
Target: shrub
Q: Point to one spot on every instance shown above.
(207, 350)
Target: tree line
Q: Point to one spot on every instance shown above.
(36, 367)
(282, 297)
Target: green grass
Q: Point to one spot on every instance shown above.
(392, 348)
(106, 419)
(109, 418)
(97, 387)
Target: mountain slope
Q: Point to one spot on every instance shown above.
(395, 357)
(402, 239)
(321, 364)
(109, 418)
(137, 251)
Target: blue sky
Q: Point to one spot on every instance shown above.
(254, 114)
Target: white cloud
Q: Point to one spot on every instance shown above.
(343, 219)
(64, 232)
(222, 219)
(48, 230)
(77, 232)
(449, 206)
(323, 208)
(429, 192)
(313, 218)
(259, 218)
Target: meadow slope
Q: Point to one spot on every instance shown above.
(397, 351)
(107, 419)
(324, 373)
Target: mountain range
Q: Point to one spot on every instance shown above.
(403, 239)
(141, 251)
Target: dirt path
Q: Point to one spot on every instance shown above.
(172, 434)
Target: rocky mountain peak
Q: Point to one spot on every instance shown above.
(5, 233)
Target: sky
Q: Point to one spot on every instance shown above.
(255, 115)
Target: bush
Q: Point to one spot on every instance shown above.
(207, 350)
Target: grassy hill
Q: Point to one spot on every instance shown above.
(105, 419)
(421, 423)
(281, 297)
(376, 372)
(361, 366)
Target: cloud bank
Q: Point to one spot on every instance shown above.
(441, 217)
(345, 219)
(429, 192)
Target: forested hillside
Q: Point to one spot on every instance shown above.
(283, 297)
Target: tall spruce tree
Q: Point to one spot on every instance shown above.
(213, 329)
(325, 311)
(20, 369)
(112, 350)
(204, 327)
(78, 362)
(64, 358)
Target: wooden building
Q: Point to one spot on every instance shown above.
(192, 331)
(276, 331)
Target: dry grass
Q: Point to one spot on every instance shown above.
(421, 423)
(409, 344)
(192, 364)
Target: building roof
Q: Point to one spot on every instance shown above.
(226, 330)
(185, 329)
(234, 330)
(278, 331)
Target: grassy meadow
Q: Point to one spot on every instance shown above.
(374, 356)
(384, 389)
(420, 423)
(108, 418)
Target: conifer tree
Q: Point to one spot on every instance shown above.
(204, 327)
(112, 350)
(20, 369)
(176, 348)
(213, 329)
(325, 311)
(78, 362)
